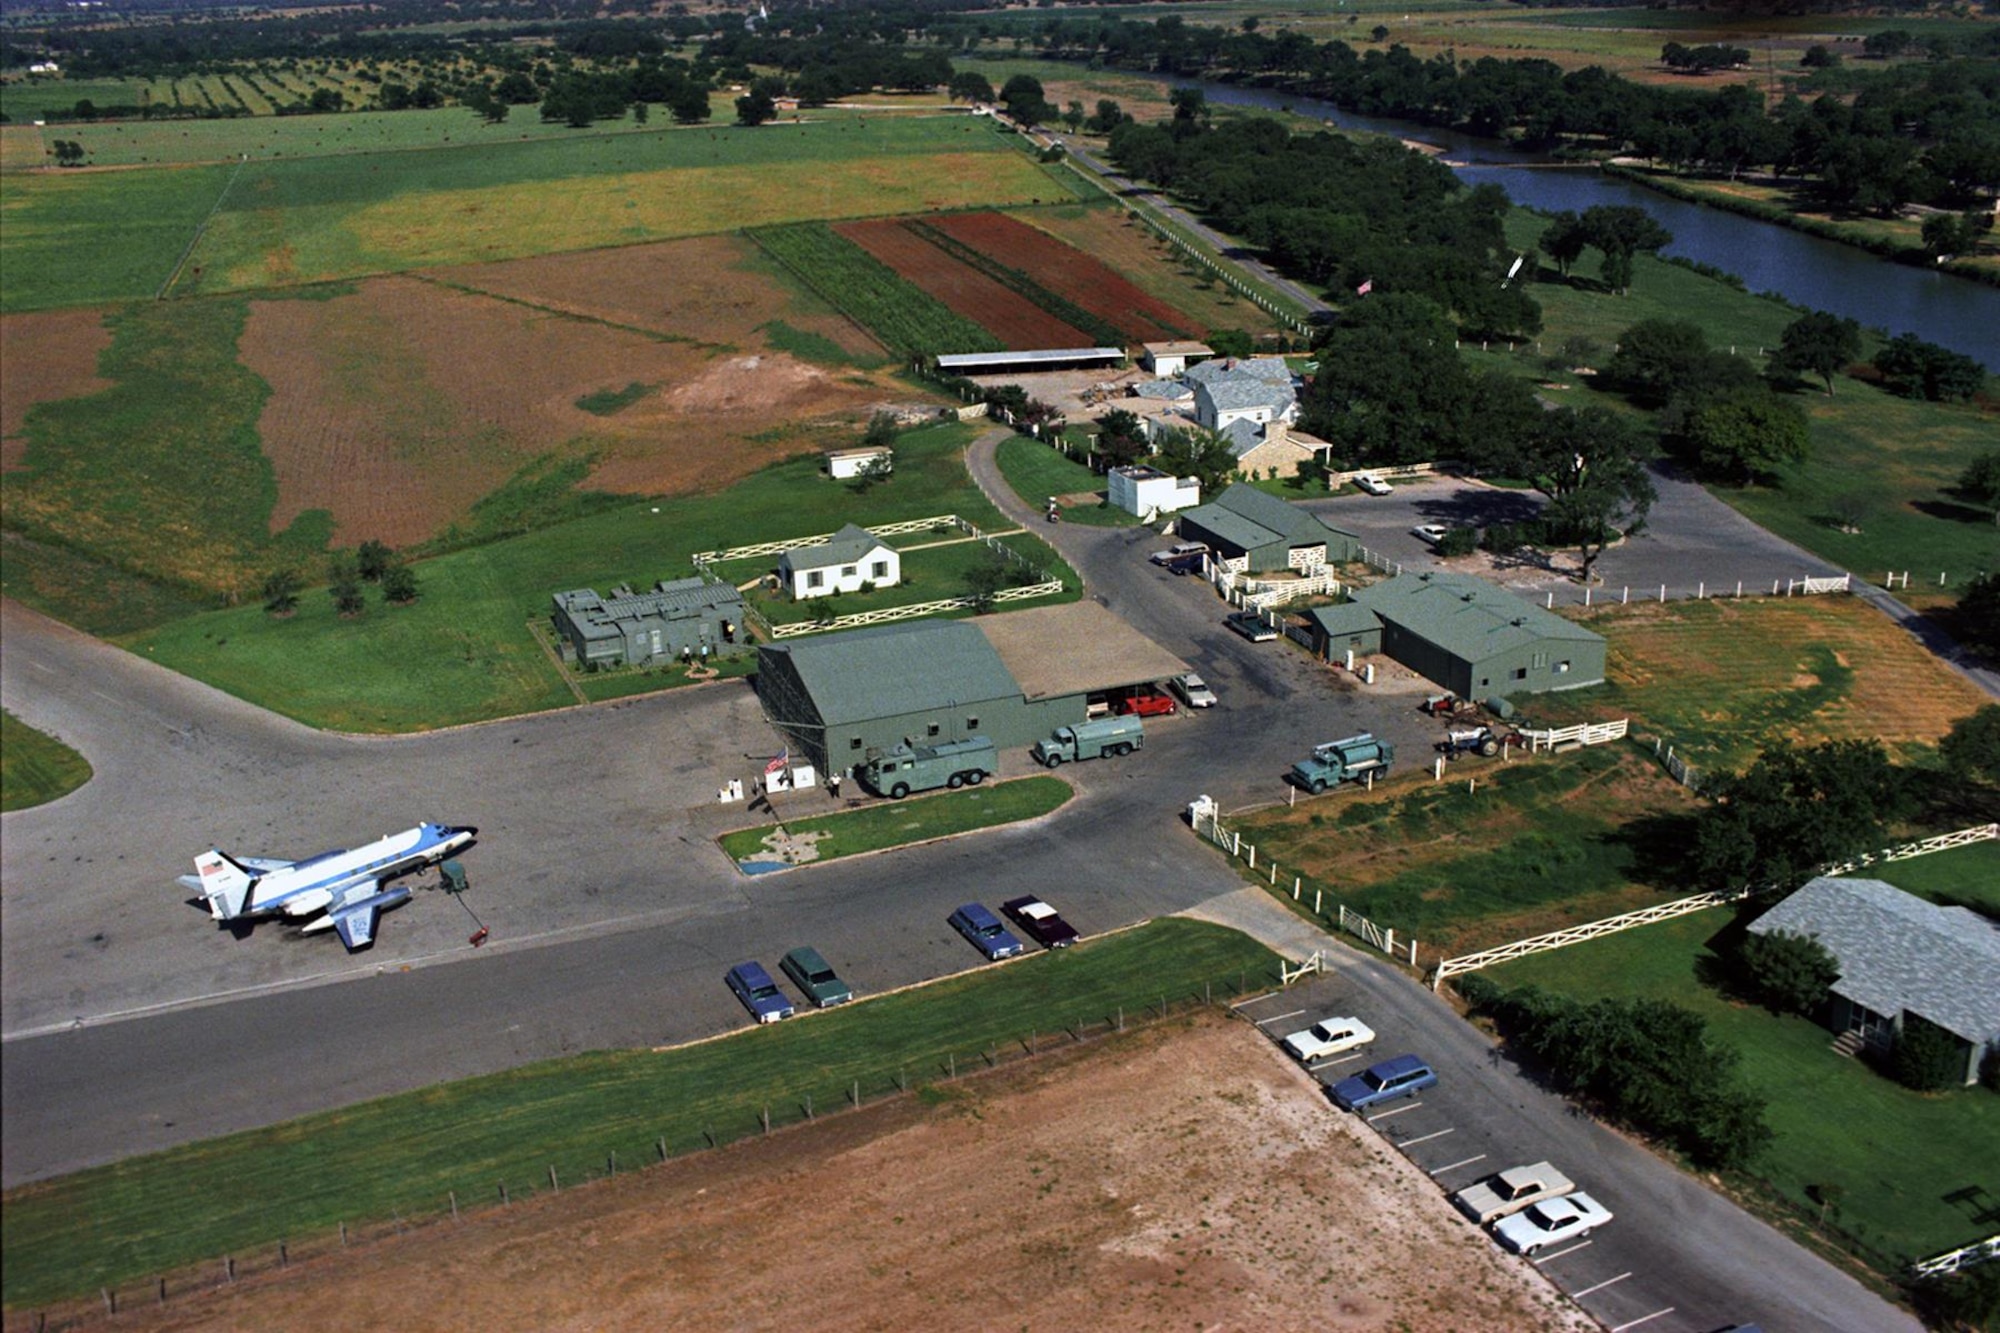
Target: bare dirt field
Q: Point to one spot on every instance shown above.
(1007, 315)
(398, 406)
(45, 358)
(1182, 1176)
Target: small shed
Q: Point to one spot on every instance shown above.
(842, 464)
(1335, 631)
(850, 560)
(1143, 490)
(1169, 359)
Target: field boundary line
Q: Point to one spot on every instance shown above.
(201, 229)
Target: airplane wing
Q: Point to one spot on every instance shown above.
(356, 925)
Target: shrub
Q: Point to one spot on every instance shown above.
(1789, 972)
(1458, 541)
(281, 592)
(1926, 1057)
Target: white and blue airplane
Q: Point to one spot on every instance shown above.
(345, 885)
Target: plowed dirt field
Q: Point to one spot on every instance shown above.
(45, 358)
(1007, 315)
(1070, 273)
(1185, 1177)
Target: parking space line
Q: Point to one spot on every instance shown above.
(1608, 1282)
(1551, 1258)
(1643, 1319)
(1411, 1143)
(1337, 1060)
(1279, 1018)
(1398, 1111)
(1463, 1161)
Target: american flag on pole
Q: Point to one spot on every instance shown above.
(1365, 288)
(778, 765)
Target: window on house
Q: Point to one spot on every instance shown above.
(1484, 682)
(854, 742)
(972, 724)
(847, 571)
(1520, 673)
(931, 730)
(815, 578)
(879, 570)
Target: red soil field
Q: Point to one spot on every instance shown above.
(45, 358)
(1069, 272)
(1008, 316)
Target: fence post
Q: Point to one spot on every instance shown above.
(454, 1216)
(1316, 896)
(554, 1184)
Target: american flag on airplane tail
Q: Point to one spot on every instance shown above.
(778, 765)
(1365, 288)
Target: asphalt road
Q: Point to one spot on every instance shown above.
(132, 1023)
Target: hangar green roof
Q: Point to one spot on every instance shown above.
(1346, 618)
(883, 670)
(1466, 616)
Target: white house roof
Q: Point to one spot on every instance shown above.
(1242, 394)
(1898, 952)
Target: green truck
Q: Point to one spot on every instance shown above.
(1095, 739)
(1351, 759)
(898, 772)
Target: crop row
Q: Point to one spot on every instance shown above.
(869, 292)
(1100, 331)
(1082, 286)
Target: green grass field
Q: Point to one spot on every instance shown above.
(900, 823)
(1895, 1155)
(933, 574)
(1035, 472)
(1899, 456)
(400, 1156)
(35, 768)
(869, 292)
(463, 652)
(89, 237)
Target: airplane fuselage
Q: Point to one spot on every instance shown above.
(313, 885)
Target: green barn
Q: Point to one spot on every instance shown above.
(1479, 641)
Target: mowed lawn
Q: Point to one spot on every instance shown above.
(1895, 1156)
(1721, 679)
(1893, 458)
(35, 767)
(402, 1156)
(463, 652)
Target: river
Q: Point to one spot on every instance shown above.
(1807, 271)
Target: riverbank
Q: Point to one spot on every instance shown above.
(1898, 239)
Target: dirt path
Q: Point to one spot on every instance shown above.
(1184, 1176)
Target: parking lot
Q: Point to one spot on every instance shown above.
(1662, 1264)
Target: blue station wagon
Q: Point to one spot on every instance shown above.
(1403, 1076)
(760, 994)
(985, 932)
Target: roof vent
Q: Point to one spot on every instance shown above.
(1465, 597)
(1520, 621)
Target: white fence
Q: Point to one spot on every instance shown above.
(1953, 1261)
(910, 612)
(1585, 733)
(1262, 594)
(1611, 925)
(1207, 822)
(794, 543)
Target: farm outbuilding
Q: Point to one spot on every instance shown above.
(1047, 358)
(1014, 678)
(845, 464)
(1253, 532)
(850, 560)
(1335, 631)
(1144, 491)
(1899, 955)
(1478, 641)
(684, 616)
(1168, 359)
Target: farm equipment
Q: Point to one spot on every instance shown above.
(1446, 705)
(1352, 759)
(1476, 740)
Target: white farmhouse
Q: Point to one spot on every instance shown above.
(848, 561)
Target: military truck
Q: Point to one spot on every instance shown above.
(1350, 759)
(898, 772)
(1094, 739)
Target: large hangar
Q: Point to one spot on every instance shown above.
(1014, 678)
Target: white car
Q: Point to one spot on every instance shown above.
(1329, 1036)
(1551, 1222)
(1371, 483)
(1511, 1191)
(1193, 690)
(1178, 551)
(1432, 533)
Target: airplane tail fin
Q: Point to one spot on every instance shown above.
(225, 884)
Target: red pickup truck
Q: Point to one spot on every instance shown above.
(1145, 703)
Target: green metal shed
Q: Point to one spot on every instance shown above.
(1479, 641)
(1263, 532)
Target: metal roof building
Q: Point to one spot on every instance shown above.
(1899, 955)
(1048, 358)
(1014, 678)
(1479, 641)
(1253, 531)
(688, 615)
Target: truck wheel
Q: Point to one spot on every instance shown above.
(899, 791)
(955, 781)
(1052, 761)
(1489, 748)
(975, 777)
(1122, 749)
(1318, 785)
